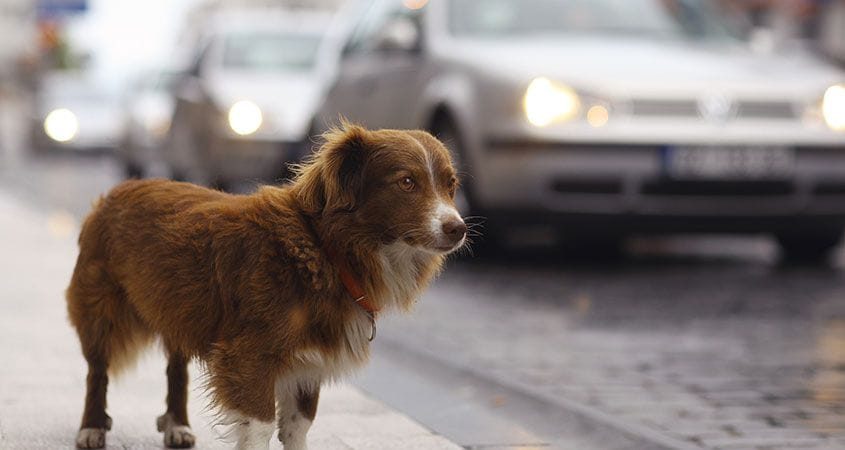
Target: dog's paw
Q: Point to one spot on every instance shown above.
(179, 436)
(175, 436)
(91, 438)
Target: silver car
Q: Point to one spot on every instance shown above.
(149, 108)
(608, 117)
(245, 106)
(75, 112)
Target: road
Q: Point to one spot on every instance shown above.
(683, 342)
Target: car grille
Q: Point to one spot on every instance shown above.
(664, 108)
(685, 108)
(765, 110)
(718, 188)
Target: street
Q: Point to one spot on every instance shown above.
(556, 138)
(683, 342)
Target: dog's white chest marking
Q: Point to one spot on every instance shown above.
(400, 272)
(399, 268)
(352, 352)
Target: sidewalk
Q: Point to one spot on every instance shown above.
(42, 372)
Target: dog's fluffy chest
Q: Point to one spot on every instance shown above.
(400, 265)
(351, 352)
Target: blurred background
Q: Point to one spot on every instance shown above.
(659, 187)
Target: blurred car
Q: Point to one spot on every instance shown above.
(607, 117)
(246, 105)
(149, 108)
(73, 111)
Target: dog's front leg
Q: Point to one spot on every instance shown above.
(297, 406)
(254, 434)
(242, 383)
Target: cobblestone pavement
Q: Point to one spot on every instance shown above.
(719, 353)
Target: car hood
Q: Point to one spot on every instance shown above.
(625, 65)
(271, 92)
(288, 101)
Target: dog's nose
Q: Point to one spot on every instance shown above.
(454, 229)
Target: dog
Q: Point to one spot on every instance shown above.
(274, 293)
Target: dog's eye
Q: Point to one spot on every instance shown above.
(453, 186)
(407, 184)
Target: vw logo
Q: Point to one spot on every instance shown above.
(716, 107)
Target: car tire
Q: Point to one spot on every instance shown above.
(132, 170)
(809, 245)
(444, 129)
(484, 239)
(298, 154)
(195, 170)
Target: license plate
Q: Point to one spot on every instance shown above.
(705, 162)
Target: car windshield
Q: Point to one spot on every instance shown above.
(270, 51)
(77, 91)
(695, 19)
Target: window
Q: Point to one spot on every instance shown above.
(378, 15)
(270, 51)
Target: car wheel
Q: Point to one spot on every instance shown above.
(132, 170)
(194, 168)
(484, 238)
(809, 245)
(298, 153)
(444, 129)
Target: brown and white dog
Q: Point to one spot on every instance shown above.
(275, 292)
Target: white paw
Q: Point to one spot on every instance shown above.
(254, 434)
(91, 438)
(175, 436)
(295, 445)
(179, 436)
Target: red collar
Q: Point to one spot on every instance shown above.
(351, 283)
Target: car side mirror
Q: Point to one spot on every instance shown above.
(401, 34)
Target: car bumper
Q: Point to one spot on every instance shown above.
(89, 137)
(79, 144)
(565, 182)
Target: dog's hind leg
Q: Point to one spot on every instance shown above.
(174, 422)
(95, 421)
(110, 335)
(93, 333)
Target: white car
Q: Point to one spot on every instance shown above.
(75, 112)
(149, 106)
(246, 105)
(607, 117)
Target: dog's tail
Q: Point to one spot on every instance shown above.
(109, 329)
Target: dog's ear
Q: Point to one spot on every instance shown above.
(332, 178)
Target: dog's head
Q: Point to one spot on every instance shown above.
(386, 185)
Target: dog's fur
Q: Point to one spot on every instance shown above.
(244, 283)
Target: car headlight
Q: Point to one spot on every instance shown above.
(245, 117)
(61, 125)
(833, 107)
(546, 102)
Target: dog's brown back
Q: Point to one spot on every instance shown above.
(178, 260)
